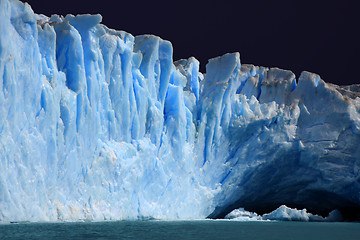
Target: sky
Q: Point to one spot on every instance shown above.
(316, 36)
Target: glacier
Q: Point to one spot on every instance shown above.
(96, 124)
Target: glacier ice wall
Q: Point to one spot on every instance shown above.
(98, 124)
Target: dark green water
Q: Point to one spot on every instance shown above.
(206, 229)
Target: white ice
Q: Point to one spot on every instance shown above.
(98, 124)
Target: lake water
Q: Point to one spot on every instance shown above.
(205, 229)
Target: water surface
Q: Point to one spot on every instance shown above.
(206, 229)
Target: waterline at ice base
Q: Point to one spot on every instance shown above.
(96, 124)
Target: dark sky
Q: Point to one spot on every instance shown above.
(317, 36)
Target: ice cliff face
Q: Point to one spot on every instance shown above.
(98, 124)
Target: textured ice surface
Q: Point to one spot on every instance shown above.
(283, 213)
(98, 124)
(241, 214)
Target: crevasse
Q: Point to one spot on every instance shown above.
(97, 124)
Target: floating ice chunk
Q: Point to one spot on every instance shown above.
(241, 214)
(284, 213)
(334, 216)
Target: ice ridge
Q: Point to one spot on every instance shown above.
(98, 124)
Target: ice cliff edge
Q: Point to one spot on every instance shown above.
(97, 124)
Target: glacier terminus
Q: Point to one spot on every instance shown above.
(96, 124)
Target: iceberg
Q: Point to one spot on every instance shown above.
(241, 214)
(96, 124)
(283, 213)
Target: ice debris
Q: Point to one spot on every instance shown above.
(283, 213)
